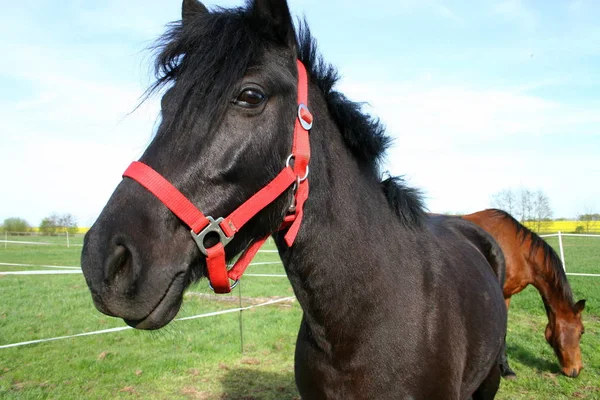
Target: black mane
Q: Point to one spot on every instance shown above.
(406, 202)
(551, 259)
(207, 56)
(364, 135)
(211, 52)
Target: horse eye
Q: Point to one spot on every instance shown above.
(250, 98)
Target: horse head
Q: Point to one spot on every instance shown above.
(226, 130)
(563, 334)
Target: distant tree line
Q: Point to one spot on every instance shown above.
(59, 223)
(525, 204)
(53, 224)
(533, 207)
(15, 225)
(589, 221)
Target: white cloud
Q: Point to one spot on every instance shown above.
(449, 140)
(447, 13)
(424, 112)
(67, 142)
(516, 11)
(449, 137)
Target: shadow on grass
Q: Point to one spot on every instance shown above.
(250, 384)
(526, 357)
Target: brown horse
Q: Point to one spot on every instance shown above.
(530, 260)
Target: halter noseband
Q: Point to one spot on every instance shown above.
(226, 228)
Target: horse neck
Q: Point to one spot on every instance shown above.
(547, 281)
(338, 260)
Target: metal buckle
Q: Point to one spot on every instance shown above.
(305, 124)
(213, 226)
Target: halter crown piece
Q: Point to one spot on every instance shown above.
(226, 228)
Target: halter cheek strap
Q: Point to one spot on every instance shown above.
(226, 228)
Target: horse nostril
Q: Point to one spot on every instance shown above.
(117, 262)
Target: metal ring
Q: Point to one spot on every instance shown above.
(287, 164)
(235, 283)
(300, 180)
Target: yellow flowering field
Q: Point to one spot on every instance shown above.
(567, 226)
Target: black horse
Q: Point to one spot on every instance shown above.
(395, 306)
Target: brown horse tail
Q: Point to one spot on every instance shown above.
(533, 247)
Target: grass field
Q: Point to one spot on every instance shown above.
(202, 358)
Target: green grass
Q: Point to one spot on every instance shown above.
(534, 361)
(582, 254)
(191, 359)
(40, 255)
(202, 359)
(186, 360)
(59, 240)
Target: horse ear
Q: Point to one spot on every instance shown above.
(579, 306)
(189, 8)
(277, 14)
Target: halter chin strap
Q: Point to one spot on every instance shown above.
(226, 228)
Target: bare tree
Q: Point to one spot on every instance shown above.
(590, 219)
(55, 224)
(542, 211)
(525, 204)
(504, 200)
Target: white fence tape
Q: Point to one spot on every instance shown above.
(38, 266)
(570, 234)
(560, 235)
(23, 242)
(212, 314)
(46, 272)
(266, 263)
(76, 270)
(80, 245)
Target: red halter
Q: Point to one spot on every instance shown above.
(226, 228)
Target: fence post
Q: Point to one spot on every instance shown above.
(5, 239)
(562, 252)
(240, 318)
(68, 244)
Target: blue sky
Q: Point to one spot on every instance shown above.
(479, 96)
